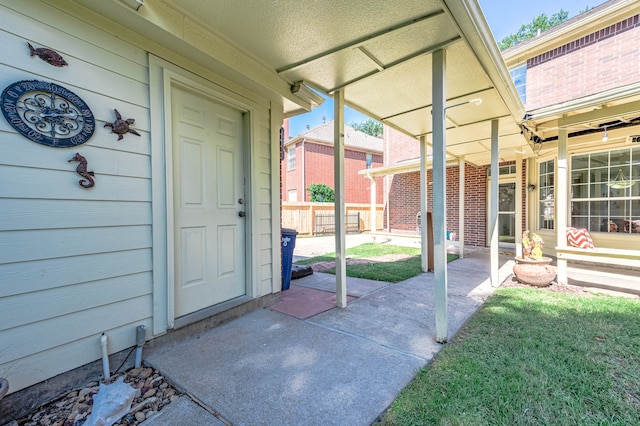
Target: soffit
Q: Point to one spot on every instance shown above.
(585, 120)
(378, 51)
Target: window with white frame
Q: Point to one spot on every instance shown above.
(605, 191)
(292, 195)
(291, 158)
(546, 200)
(369, 159)
(519, 77)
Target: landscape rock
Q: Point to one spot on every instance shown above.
(74, 406)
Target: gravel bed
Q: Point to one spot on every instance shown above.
(73, 407)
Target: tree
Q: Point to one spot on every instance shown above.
(540, 23)
(321, 193)
(370, 127)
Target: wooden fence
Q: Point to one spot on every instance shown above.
(301, 215)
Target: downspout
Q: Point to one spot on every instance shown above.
(141, 335)
(105, 357)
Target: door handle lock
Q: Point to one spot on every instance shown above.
(242, 214)
(240, 200)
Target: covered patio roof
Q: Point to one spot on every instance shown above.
(429, 68)
(379, 53)
(381, 57)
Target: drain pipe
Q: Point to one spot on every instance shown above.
(141, 333)
(105, 357)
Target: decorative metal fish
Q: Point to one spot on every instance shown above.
(49, 56)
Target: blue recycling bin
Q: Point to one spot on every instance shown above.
(288, 244)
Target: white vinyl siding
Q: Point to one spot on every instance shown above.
(265, 207)
(74, 262)
(77, 262)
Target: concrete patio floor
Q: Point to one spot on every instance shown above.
(340, 366)
(302, 361)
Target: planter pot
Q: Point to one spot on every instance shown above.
(536, 272)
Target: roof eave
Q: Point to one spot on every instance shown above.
(594, 101)
(555, 37)
(475, 30)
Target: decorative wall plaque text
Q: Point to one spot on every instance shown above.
(47, 113)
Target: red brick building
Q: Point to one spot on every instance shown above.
(577, 69)
(402, 193)
(583, 78)
(593, 63)
(308, 159)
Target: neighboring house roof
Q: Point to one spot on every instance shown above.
(353, 138)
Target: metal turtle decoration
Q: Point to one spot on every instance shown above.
(120, 126)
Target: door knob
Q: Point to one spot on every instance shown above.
(240, 200)
(242, 214)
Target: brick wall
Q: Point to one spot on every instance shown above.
(404, 202)
(584, 66)
(292, 179)
(400, 146)
(318, 169)
(318, 166)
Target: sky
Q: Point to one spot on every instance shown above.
(504, 17)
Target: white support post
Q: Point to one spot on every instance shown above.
(493, 204)
(373, 211)
(561, 202)
(340, 209)
(519, 198)
(461, 195)
(424, 235)
(439, 171)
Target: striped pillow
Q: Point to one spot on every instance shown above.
(579, 238)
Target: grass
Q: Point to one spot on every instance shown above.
(390, 271)
(532, 357)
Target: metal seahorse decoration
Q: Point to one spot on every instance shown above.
(49, 56)
(88, 181)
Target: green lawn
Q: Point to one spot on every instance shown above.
(389, 271)
(533, 357)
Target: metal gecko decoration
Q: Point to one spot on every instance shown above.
(49, 56)
(88, 181)
(120, 126)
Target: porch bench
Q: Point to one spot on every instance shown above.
(608, 256)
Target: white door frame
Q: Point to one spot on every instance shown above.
(510, 178)
(164, 75)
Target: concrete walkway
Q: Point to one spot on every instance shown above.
(342, 366)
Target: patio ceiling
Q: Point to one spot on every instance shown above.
(378, 51)
(585, 119)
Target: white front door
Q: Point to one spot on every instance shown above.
(208, 206)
